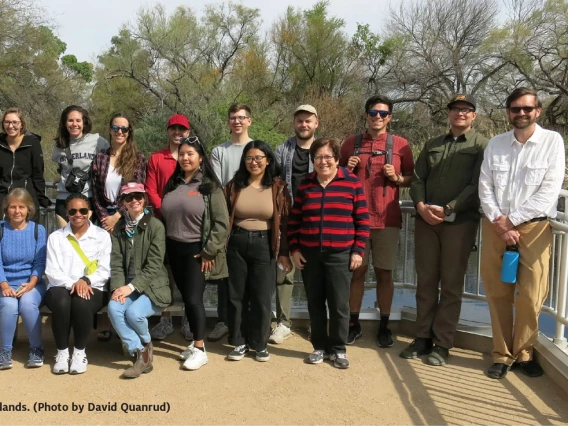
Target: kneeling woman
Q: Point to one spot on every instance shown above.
(78, 268)
(197, 224)
(139, 281)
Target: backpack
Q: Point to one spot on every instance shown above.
(388, 153)
(35, 230)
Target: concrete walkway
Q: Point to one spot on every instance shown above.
(379, 388)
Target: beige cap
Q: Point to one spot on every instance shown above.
(306, 108)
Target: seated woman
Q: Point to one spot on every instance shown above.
(197, 224)
(22, 263)
(139, 281)
(78, 268)
(327, 232)
(259, 204)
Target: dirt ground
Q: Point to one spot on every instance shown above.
(379, 388)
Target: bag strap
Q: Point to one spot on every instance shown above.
(36, 231)
(77, 248)
(388, 159)
(69, 158)
(358, 142)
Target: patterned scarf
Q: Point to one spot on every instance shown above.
(131, 224)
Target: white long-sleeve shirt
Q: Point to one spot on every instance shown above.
(522, 181)
(64, 266)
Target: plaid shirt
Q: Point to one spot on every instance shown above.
(99, 172)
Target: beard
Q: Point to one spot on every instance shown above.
(304, 135)
(522, 122)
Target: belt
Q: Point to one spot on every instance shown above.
(239, 230)
(536, 219)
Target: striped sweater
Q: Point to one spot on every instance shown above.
(334, 218)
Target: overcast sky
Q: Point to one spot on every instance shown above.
(87, 26)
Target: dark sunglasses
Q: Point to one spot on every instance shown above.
(123, 129)
(72, 212)
(380, 112)
(138, 196)
(525, 109)
(192, 140)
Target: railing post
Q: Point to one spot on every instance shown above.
(559, 338)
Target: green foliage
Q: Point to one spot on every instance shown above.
(84, 69)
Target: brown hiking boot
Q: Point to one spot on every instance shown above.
(143, 363)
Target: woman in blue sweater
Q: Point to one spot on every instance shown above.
(22, 263)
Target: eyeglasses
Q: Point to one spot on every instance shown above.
(123, 129)
(456, 110)
(12, 123)
(525, 109)
(138, 196)
(256, 159)
(192, 140)
(240, 118)
(325, 158)
(379, 112)
(72, 212)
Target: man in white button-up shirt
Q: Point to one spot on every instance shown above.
(521, 176)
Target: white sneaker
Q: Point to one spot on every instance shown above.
(196, 359)
(61, 362)
(162, 330)
(78, 363)
(186, 353)
(279, 334)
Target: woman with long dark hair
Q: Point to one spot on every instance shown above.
(196, 219)
(114, 167)
(259, 204)
(74, 151)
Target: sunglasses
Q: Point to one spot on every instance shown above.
(72, 212)
(192, 140)
(379, 112)
(138, 196)
(123, 129)
(525, 109)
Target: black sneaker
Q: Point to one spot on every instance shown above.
(238, 353)
(497, 370)
(530, 368)
(384, 338)
(354, 333)
(438, 356)
(262, 356)
(420, 346)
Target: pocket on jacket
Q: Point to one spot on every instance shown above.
(500, 172)
(535, 173)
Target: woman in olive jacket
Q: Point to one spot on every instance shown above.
(139, 281)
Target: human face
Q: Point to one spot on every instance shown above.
(17, 212)
(305, 125)
(523, 119)
(254, 167)
(79, 219)
(119, 137)
(461, 120)
(239, 122)
(189, 159)
(325, 168)
(378, 124)
(176, 133)
(74, 124)
(136, 204)
(12, 125)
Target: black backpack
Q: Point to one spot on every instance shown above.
(35, 230)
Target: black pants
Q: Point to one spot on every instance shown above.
(222, 296)
(190, 281)
(327, 278)
(71, 311)
(252, 281)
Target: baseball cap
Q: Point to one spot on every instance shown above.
(468, 99)
(179, 119)
(306, 108)
(131, 187)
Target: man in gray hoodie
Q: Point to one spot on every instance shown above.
(294, 159)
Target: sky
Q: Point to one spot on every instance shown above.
(88, 26)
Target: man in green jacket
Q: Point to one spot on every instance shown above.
(445, 195)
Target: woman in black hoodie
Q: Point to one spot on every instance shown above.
(21, 160)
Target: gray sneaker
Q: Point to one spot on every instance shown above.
(218, 332)
(162, 330)
(317, 357)
(5, 360)
(35, 359)
(339, 360)
(185, 330)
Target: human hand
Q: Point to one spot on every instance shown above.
(7, 291)
(511, 237)
(298, 260)
(82, 289)
(27, 287)
(388, 171)
(284, 261)
(109, 222)
(206, 264)
(353, 162)
(433, 215)
(121, 293)
(502, 224)
(355, 261)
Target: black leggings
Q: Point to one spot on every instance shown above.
(190, 281)
(69, 310)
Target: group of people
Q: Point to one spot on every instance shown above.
(131, 230)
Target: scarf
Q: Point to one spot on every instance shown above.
(131, 224)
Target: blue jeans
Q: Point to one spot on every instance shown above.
(28, 307)
(130, 320)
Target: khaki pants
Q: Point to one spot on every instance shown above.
(441, 256)
(515, 333)
(284, 289)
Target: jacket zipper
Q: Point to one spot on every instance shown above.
(14, 165)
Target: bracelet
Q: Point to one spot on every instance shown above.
(400, 178)
(86, 279)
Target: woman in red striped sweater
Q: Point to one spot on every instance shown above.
(327, 233)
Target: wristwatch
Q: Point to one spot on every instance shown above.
(448, 210)
(86, 279)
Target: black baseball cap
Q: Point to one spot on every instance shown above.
(468, 99)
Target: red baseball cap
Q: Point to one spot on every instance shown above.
(131, 187)
(179, 119)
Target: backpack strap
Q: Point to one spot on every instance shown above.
(2, 230)
(388, 159)
(36, 231)
(358, 142)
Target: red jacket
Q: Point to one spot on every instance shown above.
(161, 166)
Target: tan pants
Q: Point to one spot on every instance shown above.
(515, 334)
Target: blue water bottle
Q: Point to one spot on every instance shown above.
(510, 265)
